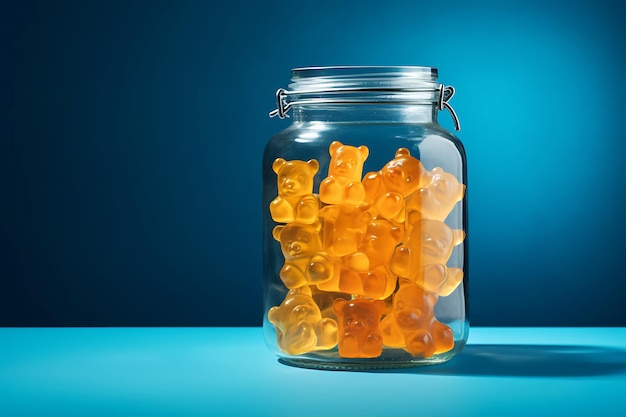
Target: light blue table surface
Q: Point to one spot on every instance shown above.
(229, 371)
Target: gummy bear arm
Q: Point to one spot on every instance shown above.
(372, 184)
(292, 276)
(355, 193)
(273, 316)
(281, 210)
(400, 263)
(331, 191)
(307, 209)
(327, 333)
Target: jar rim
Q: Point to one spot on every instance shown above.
(359, 72)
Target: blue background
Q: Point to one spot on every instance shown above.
(132, 132)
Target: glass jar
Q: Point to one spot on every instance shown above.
(364, 221)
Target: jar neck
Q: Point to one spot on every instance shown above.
(364, 94)
(366, 113)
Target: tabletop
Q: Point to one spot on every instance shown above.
(229, 371)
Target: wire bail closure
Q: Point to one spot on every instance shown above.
(445, 94)
(282, 107)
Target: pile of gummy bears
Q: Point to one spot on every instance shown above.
(365, 259)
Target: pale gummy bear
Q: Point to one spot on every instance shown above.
(412, 325)
(387, 189)
(427, 242)
(343, 184)
(436, 199)
(300, 327)
(359, 335)
(295, 201)
(306, 263)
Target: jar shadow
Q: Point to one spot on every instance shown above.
(529, 361)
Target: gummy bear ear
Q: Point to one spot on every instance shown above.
(338, 305)
(276, 232)
(364, 151)
(380, 306)
(334, 146)
(313, 165)
(402, 152)
(277, 165)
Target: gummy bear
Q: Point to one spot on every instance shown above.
(344, 227)
(295, 201)
(427, 242)
(412, 323)
(379, 240)
(305, 261)
(343, 184)
(436, 199)
(358, 334)
(300, 327)
(387, 189)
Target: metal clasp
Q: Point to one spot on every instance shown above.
(282, 107)
(445, 94)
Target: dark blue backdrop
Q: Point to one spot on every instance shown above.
(132, 133)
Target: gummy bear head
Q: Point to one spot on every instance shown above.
(295, 321)
(359, 317)
(413, 307)
(404, 174)
(439, 196)
(298, 240)
(379, 240)
(295, 178)
(347, 161)
(298, 306)
(433, 239)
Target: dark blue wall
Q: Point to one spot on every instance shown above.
(131, 136)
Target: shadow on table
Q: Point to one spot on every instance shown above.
(530, 361)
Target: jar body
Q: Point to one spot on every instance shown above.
(364, 239)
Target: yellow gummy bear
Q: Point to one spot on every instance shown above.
(436, 199)
(305, 261)
(343, 184)
(295, 201)
(387, 189)
(427, 242)
(359, 335)
(300, 327)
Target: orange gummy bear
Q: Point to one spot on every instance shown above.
(295, 201)
(305, 261)
(359, 335)
(387, 189)
(343, 184)
(300, 327)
